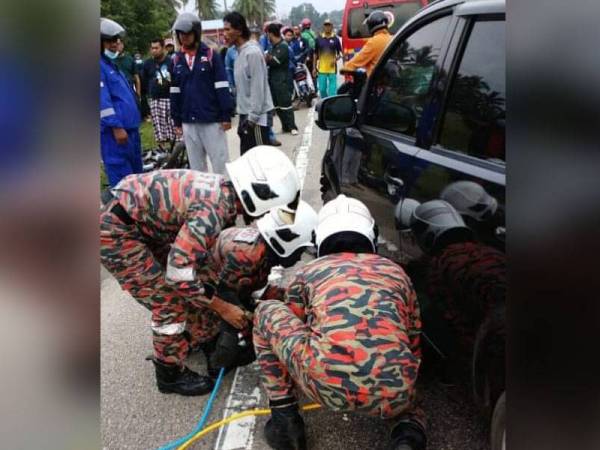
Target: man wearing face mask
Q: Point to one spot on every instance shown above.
(120, 142)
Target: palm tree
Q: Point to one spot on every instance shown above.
(177, 5)
(207, 9)
(255, 10)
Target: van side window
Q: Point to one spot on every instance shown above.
(474, 121)
(402, 84)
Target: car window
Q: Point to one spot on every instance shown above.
(402, 83)
(474, 122)
(401, 13)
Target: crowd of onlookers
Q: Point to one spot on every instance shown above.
(190, 90)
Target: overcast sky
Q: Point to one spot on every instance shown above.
(284, 6)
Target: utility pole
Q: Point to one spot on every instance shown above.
(225, 5)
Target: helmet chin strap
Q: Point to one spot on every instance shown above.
(288, 261)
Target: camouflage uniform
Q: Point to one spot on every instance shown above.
(347, 334)
(467, 280)
(240, 265)
(161, 256)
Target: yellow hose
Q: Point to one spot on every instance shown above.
(233, 418)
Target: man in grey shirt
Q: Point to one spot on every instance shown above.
(251, 82)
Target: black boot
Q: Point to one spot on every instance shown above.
(408, 435)
(232, 348)
(244, 357)
(285, 429)
(170, 378)
(208, 348)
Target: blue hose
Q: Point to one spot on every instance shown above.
(203, 419)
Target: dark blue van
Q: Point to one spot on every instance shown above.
(429, 124)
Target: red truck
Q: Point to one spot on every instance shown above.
(354, 32)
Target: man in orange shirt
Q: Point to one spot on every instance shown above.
(377, 23)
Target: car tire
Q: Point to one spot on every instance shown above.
(498, 425)
(489, 359)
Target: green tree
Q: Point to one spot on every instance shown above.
(207, 9)
(255, 11)
(143, 20)
(336, 17)
(305, 10)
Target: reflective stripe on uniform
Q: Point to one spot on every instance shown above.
(258, 135)
(174, 90)
(169, 329)
(221, 84)
(275, 58)
(180, 273)
(107, 112)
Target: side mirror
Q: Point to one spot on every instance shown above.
(336, 112)
(359, 78)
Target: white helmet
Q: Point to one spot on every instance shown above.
(345, 214)
(285, 232)
(264, 178)
(109, 29)
(404, 212)
(470, 199)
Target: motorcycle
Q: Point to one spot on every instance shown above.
(174, 158)
(304, 87)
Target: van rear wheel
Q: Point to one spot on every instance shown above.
(498, 426)
(326, 190)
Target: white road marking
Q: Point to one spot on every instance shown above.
(245, 392)
(302, 152)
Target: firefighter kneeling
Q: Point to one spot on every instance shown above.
(347, 334)
(157, 233)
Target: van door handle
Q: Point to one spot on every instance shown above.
(394, 184)
(393, 180)
(500, 232)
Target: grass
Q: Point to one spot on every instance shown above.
(147, 135)
(148, 142)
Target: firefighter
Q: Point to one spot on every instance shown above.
(156, 233)
(346, 335)
(243, 258)
(120, 119)
(367, 58)
(466, 277)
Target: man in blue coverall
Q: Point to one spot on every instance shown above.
(120, 142)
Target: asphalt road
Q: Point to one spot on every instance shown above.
(136, 416)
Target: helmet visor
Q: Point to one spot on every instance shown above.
(285, 217)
